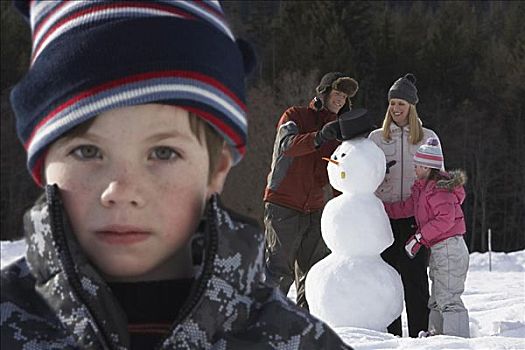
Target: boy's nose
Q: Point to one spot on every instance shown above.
(121, 193)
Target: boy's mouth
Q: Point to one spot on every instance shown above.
(122, 234)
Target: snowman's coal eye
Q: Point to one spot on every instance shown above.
(343, 154)
(335, 157)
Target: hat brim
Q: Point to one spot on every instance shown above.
(355, 123)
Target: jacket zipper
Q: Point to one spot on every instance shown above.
(59, 236)
(58, 233)
(319, 123)
(402, 164)
(210, 252)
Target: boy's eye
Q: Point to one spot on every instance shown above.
(87, 152)
(163, 153)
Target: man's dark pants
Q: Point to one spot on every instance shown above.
(414, 276)
(293, 245)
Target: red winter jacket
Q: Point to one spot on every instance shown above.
(298, 173)
(436, 207)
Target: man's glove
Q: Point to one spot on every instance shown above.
(330, 131)
(413, 245)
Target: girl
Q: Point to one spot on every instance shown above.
(435, 202)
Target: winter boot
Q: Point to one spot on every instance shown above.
(435, 322)
(456, 323)
(425, 334)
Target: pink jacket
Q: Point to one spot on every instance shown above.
(436, 207)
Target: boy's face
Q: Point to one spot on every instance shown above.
(134, 186)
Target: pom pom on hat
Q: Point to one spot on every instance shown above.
(404, 88)
(411, 77)
(432, 142)
(89, 57)
(429, 154)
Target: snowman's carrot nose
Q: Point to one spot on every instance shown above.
(331, 160)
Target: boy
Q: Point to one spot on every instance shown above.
(132, 114)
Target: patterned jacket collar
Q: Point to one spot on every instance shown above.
(220, 300)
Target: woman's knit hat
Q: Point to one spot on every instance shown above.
(92, 56)
(404, 88)
(429, 154)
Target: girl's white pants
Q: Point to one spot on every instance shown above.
(448, 267)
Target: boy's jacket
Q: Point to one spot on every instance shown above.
(55, 299)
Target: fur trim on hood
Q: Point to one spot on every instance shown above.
(455, 178)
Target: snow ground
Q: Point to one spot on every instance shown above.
(496, 304)
(495, 300)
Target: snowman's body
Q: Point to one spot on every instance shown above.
(353, 286)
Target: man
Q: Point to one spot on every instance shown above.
(294, 196)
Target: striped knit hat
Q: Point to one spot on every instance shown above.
(92, 56)
(429, 154)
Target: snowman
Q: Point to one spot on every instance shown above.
(354, 286)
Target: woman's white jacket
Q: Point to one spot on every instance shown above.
(400, 177)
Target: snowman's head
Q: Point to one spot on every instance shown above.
(357, 166)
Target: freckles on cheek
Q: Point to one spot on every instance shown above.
(74, 192)
(77, 203)
(65, 175)
(180, 212)
(71, 180)
(75, 184)
(177, 194)
(183, 194)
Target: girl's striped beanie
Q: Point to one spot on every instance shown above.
(92, 56)
(429, 154)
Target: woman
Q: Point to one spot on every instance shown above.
(400, 136)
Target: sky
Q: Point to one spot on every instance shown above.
(495, 300)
